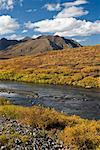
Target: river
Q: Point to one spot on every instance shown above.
(71, 100)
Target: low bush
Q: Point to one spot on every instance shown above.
(85, 136)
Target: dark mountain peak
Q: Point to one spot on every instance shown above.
(4, 43)
(3, 39)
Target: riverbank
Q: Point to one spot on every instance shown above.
(65, 132)
(14, 135)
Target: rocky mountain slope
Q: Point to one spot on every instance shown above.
(32, 46)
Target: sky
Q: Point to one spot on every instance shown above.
(73, 19)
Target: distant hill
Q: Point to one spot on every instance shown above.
(4, 43)
(29, 46)
(78, 67)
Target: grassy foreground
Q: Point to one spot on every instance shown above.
(75, 132)
(79, 67)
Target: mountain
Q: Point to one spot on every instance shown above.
(30, 46)
(4, 43)
(26, 39)
(58, 43)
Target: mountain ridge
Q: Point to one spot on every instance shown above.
(29, 46)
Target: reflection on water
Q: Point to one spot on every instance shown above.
(71, 100)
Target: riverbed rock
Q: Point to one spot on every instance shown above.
(15, 136)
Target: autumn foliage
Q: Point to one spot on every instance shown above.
(78, 67)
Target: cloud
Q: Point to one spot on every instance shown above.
(75, 3)
(59, 6)
(29, 10)
(81, 28)
(67, 27)
(81, 40)
(53, 7)
(15, 37)
(9, 4)
(20, 37)
(24, 31)
(8, 24)
(65, 23)
(72, 12)
(35, 36)
(29, 25)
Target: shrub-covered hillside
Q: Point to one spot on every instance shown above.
(78, 66)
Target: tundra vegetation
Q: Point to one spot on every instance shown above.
(75, 132)
(78, 67)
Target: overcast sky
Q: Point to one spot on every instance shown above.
(75, 19)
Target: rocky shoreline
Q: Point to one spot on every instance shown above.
(15, 136)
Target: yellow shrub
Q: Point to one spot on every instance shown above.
(85, 136)
(88, 82)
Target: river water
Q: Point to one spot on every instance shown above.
(71, 100)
